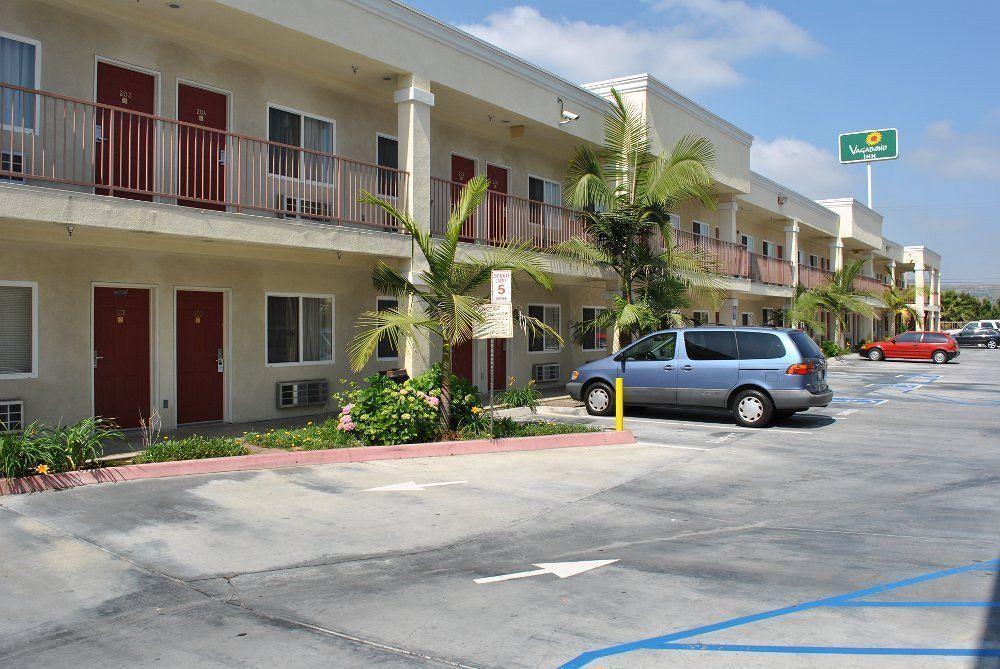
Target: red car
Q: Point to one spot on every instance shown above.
(937, 346)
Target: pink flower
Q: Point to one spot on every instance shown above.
(433, 401)
(347, 409)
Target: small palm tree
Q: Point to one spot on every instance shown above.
(802, 311)
(899, 303)
(626, 194)
(442, 301)
(839, 296)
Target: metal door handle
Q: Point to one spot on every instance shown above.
(687, 368)
(668, 368)
(220, 361)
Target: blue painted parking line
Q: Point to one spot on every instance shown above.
(861, 604)
(871, 401)
(668, 641)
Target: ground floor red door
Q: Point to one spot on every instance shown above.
(121, 354)
(202, 150)
(463, 169)
(499, 347)
(461, 361)
(200, 388)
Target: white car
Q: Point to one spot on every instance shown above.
(972, 325)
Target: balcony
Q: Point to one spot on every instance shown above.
(85, 146)
(732, 259)
(869, 284)
(810, 277)
(504, 217)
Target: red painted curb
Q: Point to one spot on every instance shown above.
(43, 482)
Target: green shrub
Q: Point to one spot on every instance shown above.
(195, 447)
(507, 428)
(307, 438)
(525, 396)
(24, 452)
(831, 349)
(75, 444)
(464, 395)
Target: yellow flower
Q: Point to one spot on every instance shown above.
(873, 138)
(477, 409)
(309, 423)
(42, 469)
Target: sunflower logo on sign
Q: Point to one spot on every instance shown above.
(873, 138)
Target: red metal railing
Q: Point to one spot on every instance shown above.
(75, 143)
(732, 259)
(870, 284)
(504, 217)
(810, 277)
(774, 271)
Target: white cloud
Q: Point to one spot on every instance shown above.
(961, 156)
(697, 47)
(803, 167)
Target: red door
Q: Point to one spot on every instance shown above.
(125, 147)
(121, 354)
(461, 361)
(463, 169)
(199, 356)
(499, 364)
(497, 203)
(202, 153)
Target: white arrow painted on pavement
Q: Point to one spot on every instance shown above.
(411, 486)
(560, 569)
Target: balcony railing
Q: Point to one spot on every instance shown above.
(732, 259)
(810, 277)
(769, 270)
(504, 217)
(47, 138)
(870, 284)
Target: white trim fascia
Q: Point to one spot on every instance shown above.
(458, 39)
(849, 202)
(33, 374)
(646, 82)
(778, 189)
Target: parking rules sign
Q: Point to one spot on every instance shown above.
(500, 286)
(498, 322)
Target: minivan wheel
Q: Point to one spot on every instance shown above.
(752, 408)
(991, 343)
(876, 354)
(599, 399)
(940, 357)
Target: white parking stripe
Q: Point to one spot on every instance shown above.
(666, 422)
(684, 448)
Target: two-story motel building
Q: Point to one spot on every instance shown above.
(179, 228)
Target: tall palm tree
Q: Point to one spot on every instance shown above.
(839, 296)
(442, 301)
(899, 303)
(626, 194)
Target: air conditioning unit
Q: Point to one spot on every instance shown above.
(545, 372)
(11, 415)
(11, 162)
(307, 209)
(302, 393)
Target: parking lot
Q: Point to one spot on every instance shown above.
(865, 534)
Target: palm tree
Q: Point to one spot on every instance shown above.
(442, 300)
(899, 303)
(802, 311)
(626, 194)
(838, 296)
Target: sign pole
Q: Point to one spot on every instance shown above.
(868, 164)
(489, 342)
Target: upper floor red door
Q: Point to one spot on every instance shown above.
(496, 203)
(462, 170)
(121, 354)
(124, 139)
(201, 150)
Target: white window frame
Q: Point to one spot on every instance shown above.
(582, 317)
(302, 135)
(545, 336)
(675, 221)
(333, 330)
(743, 318)
(397, 301)
(814, 260)
(749, 242)
(33, 374)
(701, 224)
(763, 248)
(38, 78)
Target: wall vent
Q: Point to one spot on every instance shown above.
(11, 415)
(545, 373)
(302, 393)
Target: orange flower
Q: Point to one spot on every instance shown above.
(42, 469)
(873, 138)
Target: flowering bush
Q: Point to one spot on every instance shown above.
(382, 411)
(309, 437)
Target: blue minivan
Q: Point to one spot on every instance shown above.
(757, 373)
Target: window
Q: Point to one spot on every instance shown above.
(807, 347)
(19, 65)
(657, 348)
(675, 221)
(388, 156)
(299, 329)
(386, 349)
(813, 260)
(309, 132)
(11, 162)
(771, 250)
(935, 339)
(908, 338)
(710, 345)
(18, 329)
(759, 346)
(747, 241)
(746, 319)
(539, 342)
(543, 192)
(769, 317)
(700, 228)
(593, 339)
(699, 318)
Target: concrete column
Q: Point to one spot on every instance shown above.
(414, 101)
(890, 268)
(727, 221)
(919, 283)
(836, 255)
(730, 312)
(792, 248)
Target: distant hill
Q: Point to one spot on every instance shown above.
(990, 289)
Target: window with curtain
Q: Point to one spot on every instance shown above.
(386, 349)
(16, 335)
(18, 62)
(543, 341)
(299, 329)
(307, 132)
(593, 339)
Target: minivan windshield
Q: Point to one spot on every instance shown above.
(807, 347)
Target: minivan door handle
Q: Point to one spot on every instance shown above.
(687, 368)
(668, 368)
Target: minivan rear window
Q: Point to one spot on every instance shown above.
(759, 346)
(807, 347)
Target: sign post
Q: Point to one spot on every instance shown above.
(868, 146)
(498, 323)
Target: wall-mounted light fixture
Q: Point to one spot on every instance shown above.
(782, 200)
(564, 115)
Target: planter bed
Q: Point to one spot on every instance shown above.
(276, 460)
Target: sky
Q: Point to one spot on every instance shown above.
(795, 74)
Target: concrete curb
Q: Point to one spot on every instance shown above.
(43, 482)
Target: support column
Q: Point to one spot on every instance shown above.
(727, 221)
(836, 255)
(730, 311)
(921, 296)
(792, 248)
(414, 101)
(890, 268)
